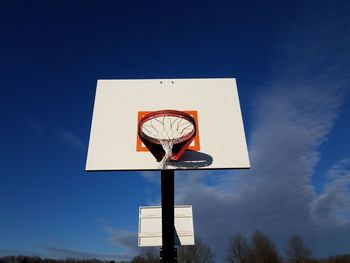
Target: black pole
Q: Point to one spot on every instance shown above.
(168, 252)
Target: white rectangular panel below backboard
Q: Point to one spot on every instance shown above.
(150, 226)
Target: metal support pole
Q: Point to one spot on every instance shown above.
(167, 185)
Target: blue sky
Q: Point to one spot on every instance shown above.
(291, 61)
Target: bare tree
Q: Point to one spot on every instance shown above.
(199, 253)
(151, 254)
(238, 250)
(138, 259)
(263, 250)
(297, 251)
(147, 255)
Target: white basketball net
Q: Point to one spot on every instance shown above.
(168, 130)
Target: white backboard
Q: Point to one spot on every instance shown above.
(220, 141)
(150, 226)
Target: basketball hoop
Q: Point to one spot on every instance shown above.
(167, 134)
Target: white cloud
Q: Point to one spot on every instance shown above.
(333, 204)
(276, 195)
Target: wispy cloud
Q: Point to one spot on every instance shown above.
(65, 135)
(125, 239)
(33, 124)
(12, 252)
(70, 139)
(58, 252)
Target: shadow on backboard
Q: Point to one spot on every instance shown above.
(192, 160)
